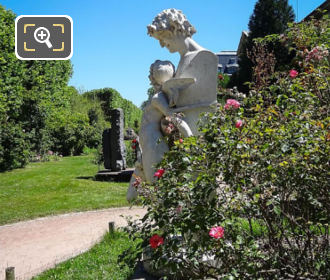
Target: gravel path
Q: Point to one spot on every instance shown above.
(34, 246)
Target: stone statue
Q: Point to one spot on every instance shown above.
(172, 30)
(129, 134)
(114, 149)
(192, 89)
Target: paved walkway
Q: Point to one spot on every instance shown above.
(36, 245)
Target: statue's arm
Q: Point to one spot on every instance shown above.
(193, 106)
(173, 87)
(178, 83)
(159, 101)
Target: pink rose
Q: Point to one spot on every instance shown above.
(155, 241)
(293, 73)
(232, 104)
(239, 123)
(159, 173)
(181, 141)
(216, 232)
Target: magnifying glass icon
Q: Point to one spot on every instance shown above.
(41, 35)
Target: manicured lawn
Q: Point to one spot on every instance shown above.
(47, 188)
(98, 263)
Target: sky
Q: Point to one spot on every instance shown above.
(111, 47)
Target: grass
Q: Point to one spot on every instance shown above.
(98, 263)
(47, 188)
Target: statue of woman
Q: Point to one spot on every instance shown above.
(173, 31)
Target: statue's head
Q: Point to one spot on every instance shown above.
(169, 25)
(161, 71)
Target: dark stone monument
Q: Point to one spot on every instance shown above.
(114, 150)
(106, 148)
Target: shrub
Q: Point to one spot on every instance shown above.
(14, 149)
(268, 17)
(111, 99)
(69, 133)
(223, 80)
(248, 199)
(130, 154)
(29, 92)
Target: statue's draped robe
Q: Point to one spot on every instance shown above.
(201, 65)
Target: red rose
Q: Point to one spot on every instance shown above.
(155, 241)
(159, 173)
(134, 141)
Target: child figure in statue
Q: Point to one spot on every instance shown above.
(160, 105)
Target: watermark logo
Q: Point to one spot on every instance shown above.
(43, 37)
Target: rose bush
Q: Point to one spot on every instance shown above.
(253, 202)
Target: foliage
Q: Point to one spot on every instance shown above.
(223, 80)
(269, 17)
(67, 185)
(130, 154)
(88, 151)
(98, 157)
(96, 119)
(29, 92)
(49, 156)
(40, 112)
(111, 99)
(224, 92)
(14, 150)
(150, 93)
(97, 263)
(248, 198)
(107, 99)
(69, 132)
(264, 65)
(78, 125)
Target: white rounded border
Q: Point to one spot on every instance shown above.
(62, 58)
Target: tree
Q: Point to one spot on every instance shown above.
(29, 92)
(269, 17)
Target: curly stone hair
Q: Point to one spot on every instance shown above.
(171, 20)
